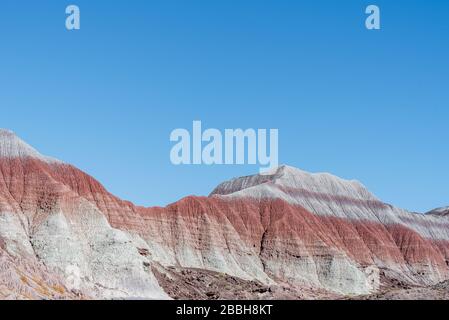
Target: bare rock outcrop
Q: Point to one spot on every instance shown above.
(63, 235)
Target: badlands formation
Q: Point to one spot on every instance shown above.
(288, 234)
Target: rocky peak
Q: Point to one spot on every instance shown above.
(440, 211)
(286, 177)
(11, 146)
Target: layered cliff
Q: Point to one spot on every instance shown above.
(289, 229)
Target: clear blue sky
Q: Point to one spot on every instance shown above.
(372, 106)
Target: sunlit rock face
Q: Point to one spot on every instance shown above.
(439, 212)
(287, 228)
(53, 215)
(369, 232)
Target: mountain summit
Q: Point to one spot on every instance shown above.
(280, 181)
(11, 146)
(440, 211)
(286, 234)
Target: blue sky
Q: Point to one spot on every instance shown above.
(366, 105)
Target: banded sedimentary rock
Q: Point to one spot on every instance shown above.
(55, 215)
(288, 228)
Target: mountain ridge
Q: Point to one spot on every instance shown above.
(288, 229)
(11, 146)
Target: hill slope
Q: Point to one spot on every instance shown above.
(309, 234)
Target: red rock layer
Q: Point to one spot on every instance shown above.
(277, 228)
(274, 231)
